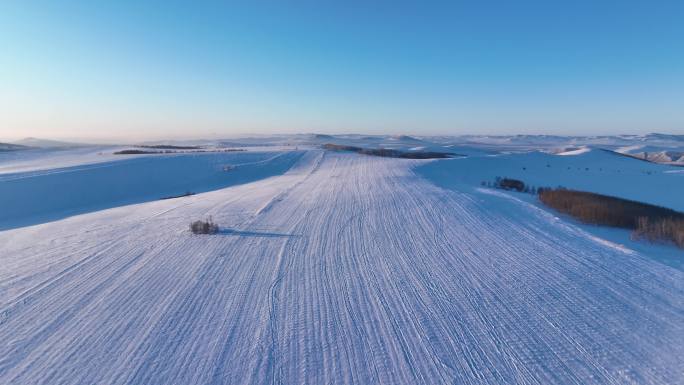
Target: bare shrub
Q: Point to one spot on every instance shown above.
(650, 222)
(660, 230)
(204, 227)
(510, 184)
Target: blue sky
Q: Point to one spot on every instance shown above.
(185, 69)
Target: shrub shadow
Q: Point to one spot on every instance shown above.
(254, 233)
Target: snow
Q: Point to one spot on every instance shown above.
(10, 147)
(41, 159)
(576, 151)
(345, 269)
(41, 196)
(48, 143)
(45, 159)
(596, 171)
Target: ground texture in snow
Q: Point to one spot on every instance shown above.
(35, 159)
(347, 269)
(595, 171)
(41, 196)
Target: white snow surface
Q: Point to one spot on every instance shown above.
(46, 195)
(36, 159)
(345, 269)
(576, 151)
(597, 171)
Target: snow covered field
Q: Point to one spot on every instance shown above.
(40, 196)
(36, 159)
(345, 269)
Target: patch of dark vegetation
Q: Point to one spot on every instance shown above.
(668, 229)
(649, 222)
(187, 194)
(139, 152)
(170, 147)
(510, 184)
(322, 136)
(204, 227)
(135, 152)
(390, 153)
(6, 147)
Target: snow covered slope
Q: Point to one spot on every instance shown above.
(41, 196)
(47, 143)
(597, 171)
(11, 147)
(346, 269)
(35, 159)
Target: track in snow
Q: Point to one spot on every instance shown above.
(347, 269)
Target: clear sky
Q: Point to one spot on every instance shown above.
(108, 69)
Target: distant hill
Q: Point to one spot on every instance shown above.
(661, 156)
(405, 138)
(46, 143)
(322, 136)
(664, 137)
(12, 147)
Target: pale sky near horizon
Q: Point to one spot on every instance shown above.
(174, 69)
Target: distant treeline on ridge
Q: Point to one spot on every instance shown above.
(391, 153)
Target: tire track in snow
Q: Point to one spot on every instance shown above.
(349, 269)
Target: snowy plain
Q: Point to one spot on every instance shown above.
(41, 196)
(36, 159)
(343, 268)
